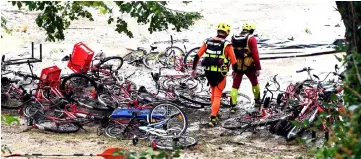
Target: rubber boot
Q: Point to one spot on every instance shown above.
(233, 99)
(213, 121)
(233, 106)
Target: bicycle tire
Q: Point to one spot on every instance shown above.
(40, 122)
(109, 132)
(240, 122)
(107, 101)
(6, 102)
(297, 130)
(170, 53)
(88, 81)
(107, 59)
(147, 57)
(206, 99)
(130, 56)
(152, 118)
(178, 83)
(185, 59)
(73, 126)
(13, 100)
(225, 99)
(168, 143)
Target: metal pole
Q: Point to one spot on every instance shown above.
(41, 52)
(32, 49)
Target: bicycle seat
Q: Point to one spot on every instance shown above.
(153, 47)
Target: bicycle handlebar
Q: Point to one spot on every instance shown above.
(171, 39)
(274, 81)
(304, 69)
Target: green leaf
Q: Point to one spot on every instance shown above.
(296, 123)
(102, 10)
(161, 155)
(19, 4)
(56, 16)
(176, 154)
(10, 119)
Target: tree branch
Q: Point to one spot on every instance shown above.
(353, 91)
(356, 67)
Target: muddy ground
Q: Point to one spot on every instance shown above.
(213, 142)
(280, 20)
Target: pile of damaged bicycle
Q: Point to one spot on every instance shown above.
(97, 92)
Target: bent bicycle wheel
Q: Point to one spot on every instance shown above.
(174, 143)
(53, 126)
(298, 129)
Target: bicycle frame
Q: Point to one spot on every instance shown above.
(152, 128)
(14, 87)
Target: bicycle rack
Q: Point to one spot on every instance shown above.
(32, 59)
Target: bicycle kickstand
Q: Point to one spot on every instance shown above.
(82, 128)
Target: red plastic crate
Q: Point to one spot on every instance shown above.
(81, 58)
(51, 76)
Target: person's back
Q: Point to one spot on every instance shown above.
(218, 55)
(248, 63)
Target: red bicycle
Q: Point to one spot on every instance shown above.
(71, 120)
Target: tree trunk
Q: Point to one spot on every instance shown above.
(351, 16)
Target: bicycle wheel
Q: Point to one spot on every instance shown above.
(7, 102)
(152, 60)
(242, 99)
(117, 130)
(195, 98)
(188, 58)
(297, 130)
(47, 108)
(132, 55)
(51, 126)
(175, 119)
(42, 123)
(108, 101)
(11, 100)
(115, 62)
(171, 55)
(180, 83)
(83, 89)
(241, 122)
(174, 143)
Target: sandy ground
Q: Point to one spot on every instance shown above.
(274, 20)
